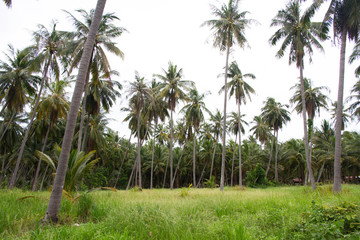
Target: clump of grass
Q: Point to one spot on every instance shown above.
(85, 203)
(185, 191)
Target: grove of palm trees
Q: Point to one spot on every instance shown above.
(205, 113)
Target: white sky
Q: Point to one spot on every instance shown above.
(163, 30)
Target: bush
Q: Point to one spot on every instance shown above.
(256, 177)
(210, 183)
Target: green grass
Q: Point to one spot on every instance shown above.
(273, 213)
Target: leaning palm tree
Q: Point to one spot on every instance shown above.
(314, 101)
(139, 93)
(172, 90)
(194, 116)
(56, 193)
(344, 16)
(99, 63)
(48, 47)
(228, 28)
(300, 35)
(275, 115)
(216, 125)
(241, 90)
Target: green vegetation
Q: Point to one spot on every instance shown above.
(272, 213)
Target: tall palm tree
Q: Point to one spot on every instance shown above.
(275, 115)
(172, 90)
(228, 29)
(194, 116)
(157, 109)
(56, 193)
(314, 101)
(300, 35)
(241, 90)
(99, 63)
(344, 16)
(48, 47)
(260, 130)
(237, 127)
(139, 93)
(51, 109)
(345, 117)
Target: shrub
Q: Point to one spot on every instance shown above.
(256, 177)
(210, 183)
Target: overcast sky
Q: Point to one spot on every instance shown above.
(160, 31)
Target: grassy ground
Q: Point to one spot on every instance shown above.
(273, 213)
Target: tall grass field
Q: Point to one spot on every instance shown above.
(272, 213)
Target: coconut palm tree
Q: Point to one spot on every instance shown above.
(194, 116)
(139, 93)
(275, 115)
(228, 28)
(52, 108)
(345, 117)
(260, 129)
(56, 193)
(241, 90)
(172, 89)
(237, 127)
(299, 35)
(99, 63)
(48, 47)
(344, 16)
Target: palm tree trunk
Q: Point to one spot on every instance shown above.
(202, 174)
(178, 164)
(320, 172)
(33, 187)
(171, 149)
(22, 147)
(213, 156)
(306, 138)
(167, 164)
(276, 158)
(152, 159)
(139, 148)
(233, 163)
(56, 193)
(7, 126)
(123, 160)
(83, 107)
(270, 158)
(222, 177)
(339, 112)
(194, 157)
(240, 160)
(131, 175)
(43, 179)
(85, 133)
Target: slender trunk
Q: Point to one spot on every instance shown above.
(233, 163)
(56, 193)
(131, 175)
(202, 174)
(123, 160)
(43, 179)
(2, 111)
(276, 158)
(240, 160)
(32, 117)
(339, 112)
(178, 164)
(306, 138)
(171, 149)
(33, 188)
(152, 159)
(194, 157)
(167, 164)
(7, 126)
(320, 172)
(213, 156)
(270, 158)
(85, 134)
(83, 107)
(222, 178)
(139, 148)
(2, 168)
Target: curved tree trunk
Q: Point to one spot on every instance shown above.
(240, 160)
(339, 112)
(222, 177)
(56, 193)
(33, 187)
(194, 157)
(32, 117)
(7, 126)
(320, 172)
(178, 164)
(306, 137)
